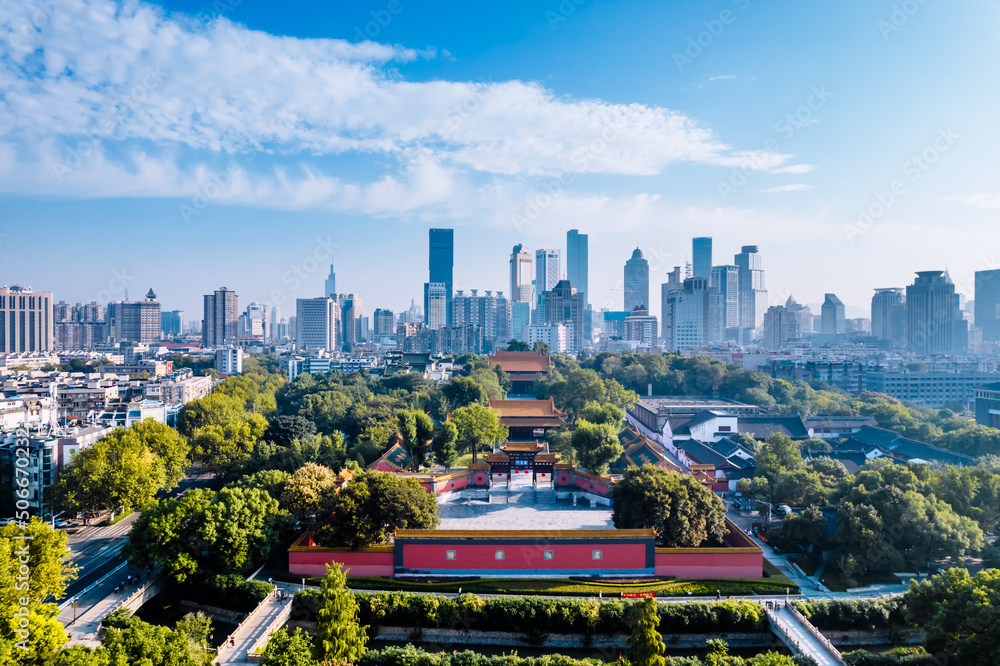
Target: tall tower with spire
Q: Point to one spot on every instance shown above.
(330, 286)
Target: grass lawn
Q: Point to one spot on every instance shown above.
(567, 587)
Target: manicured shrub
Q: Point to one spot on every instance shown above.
(863, 614)
(227, 591)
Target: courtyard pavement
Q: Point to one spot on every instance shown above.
(525, 511)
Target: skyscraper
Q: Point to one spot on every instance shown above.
(833, 317)
(220, 325)
(80, 327)
(701, 253)
(520, 275)
(441, 265)
(171, 323)
(636, 281)
(780, 326)
(987, 308)
(384, 322)
(26, 320)
(548, 268)
(564, 305)
(577, 262)
(753, 295)
(931, 311)
(330, 285)
(258, 322)
(726, 280)
(351, 314)
(882, 319)
(491, 313)
(317, 322)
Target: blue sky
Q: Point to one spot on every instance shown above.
(186, 148)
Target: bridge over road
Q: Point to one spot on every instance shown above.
(800, 635)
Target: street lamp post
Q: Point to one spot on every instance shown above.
(54, 516)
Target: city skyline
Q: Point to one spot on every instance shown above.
(101, 163)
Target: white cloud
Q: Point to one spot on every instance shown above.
(796, 187)
(982, 200)
(149, 103)
(794, 169)
(713, 79)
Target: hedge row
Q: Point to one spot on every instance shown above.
(542, 615)
(412, 656)
(864, 614)
(898, 657)
(227, 591)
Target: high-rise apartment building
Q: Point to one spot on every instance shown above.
(882, 306)
(135, 321)
(802, 318)
(726, 281)
(491, 313)
(384, 324)
(351, 314)
(931, 311)
(701, 256)
(563, 305)
(441, 267)
(317, 323)
(520, 275)
(692, 315)
(79, 327)
(26, 320)
(987, 307)
(578, 262)
(330, 284)
(220, 326)
(172, 323)
(753, 294)
(833, 315)
(636, 281)
(780, 325)
(257, 323)
(436, 312)
(640, 326)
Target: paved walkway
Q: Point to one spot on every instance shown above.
(255, 626)
(804, 641)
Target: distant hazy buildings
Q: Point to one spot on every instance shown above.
(384, 323)
(701, 256)
(780, 326)
(636, 281)
(548, 268)
(640, 326)
(833, 313)
(520, 275)
(883, 321)
(330, 284)
(441, 266)
(987, 308)
(351, 319)
(317, 322)
(490, 312)
(563, 305)
(171, 323)
(753, 294)
(26, 320)
(220, 326)
(256, 323)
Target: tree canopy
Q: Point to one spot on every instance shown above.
(681, 511)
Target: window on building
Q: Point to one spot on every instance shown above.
(498, 555)
(548, 555)
(449, 554)
(598, 554)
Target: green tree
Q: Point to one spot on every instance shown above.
(961, 615)
(645, 644)
(799, 532)
(151, 645)
(124, 469)
(220, 447)
(309, 492)
(372, 506)
(462, 391)
(516, 345)
(271, 480)
(49, 570)
(289, 649)
(339, 634)
(286, 429)
(596, 445)
(478, 425)
(681, 511)
(777, 454)
(445, 449)
(213, 409)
